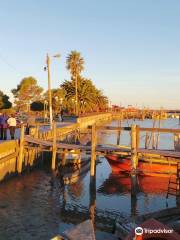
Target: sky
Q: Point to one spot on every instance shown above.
(131, 48)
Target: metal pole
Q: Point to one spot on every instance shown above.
(49, 92)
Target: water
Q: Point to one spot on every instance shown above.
(31, 207)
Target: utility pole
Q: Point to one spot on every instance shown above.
(49, 91)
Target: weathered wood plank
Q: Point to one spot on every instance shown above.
(84, 230)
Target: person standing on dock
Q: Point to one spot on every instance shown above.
(61, 113)
(12, 125)
(31, 121)
(1, 127)
(4, 125)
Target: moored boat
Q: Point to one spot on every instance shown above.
(150, 167)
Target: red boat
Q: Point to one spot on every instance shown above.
(150, 168)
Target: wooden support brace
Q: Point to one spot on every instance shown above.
(133, 147)
(21, 150)
(93, 150)
(54, 148)
(64, 155)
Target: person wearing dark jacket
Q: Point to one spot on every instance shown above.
(61, 113)
(1, 127)
(4, 127)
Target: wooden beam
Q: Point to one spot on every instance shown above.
(54, 148)
(21, 150)
(133, 147)
(93, 150)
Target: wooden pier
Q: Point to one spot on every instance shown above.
(18, 155)
(42, 139)
(135, 152)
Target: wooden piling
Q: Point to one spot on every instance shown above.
(137, 137)
(158, 135)
(134, 190)
(133, 147)
(93, 151)
(64, 155)
(146, 140)
(54, 148)
(37, 131)
(119, 133)
(92, 201)
(153, 140)
(153, 136)
(21, 150)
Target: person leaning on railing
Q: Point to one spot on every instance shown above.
(31, 120)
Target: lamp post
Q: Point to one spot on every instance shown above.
(49, 87)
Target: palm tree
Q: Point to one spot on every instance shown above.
(90, 98)
(75, 63)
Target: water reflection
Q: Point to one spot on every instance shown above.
(118, 184)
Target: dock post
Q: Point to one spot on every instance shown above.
(134, 190)
(21, 150)
(37, 131)
(153, 140)
(53, 165)
(92, 187)
(137, 137)
(146, 140)
(92, 201)
(133, 147)
(93, 152)
(178, 185)
(119, 133)
(64, 155)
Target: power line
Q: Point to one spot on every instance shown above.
(19, 73)
(7, 62)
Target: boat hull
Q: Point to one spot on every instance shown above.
(163, 169)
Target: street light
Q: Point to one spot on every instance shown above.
(49, 86)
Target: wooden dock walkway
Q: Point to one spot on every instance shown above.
(49, 141)
(42, 138)
(102, 149)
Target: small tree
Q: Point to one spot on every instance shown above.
(4, 101)
(37, 106)
(90, 98)
(26, 92)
